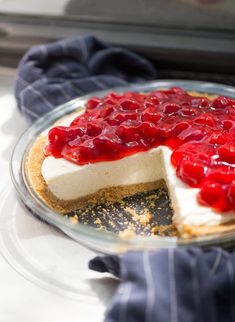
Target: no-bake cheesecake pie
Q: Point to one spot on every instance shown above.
(126, 143)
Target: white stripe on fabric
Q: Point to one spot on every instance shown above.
(63, 67)
(23, 108)
(64, 46)
(231, 283)
(172, 284)
(61, 89)
(125, 292)
(84, 50)
(31, 88)
(21, 80)
(98, 82)
(149, 286)
(216, 262)
(78, 90)
(195, 285)
(43, 50)
(30, 112)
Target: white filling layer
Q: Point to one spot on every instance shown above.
(68, 181)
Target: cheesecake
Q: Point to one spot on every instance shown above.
(127, 143)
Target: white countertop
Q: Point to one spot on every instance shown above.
(20, 299)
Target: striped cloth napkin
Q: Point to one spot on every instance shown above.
(176, 285)
(171, 285)
(52, 74)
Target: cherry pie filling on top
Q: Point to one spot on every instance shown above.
(199, 131)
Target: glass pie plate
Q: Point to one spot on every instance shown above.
(104, 241)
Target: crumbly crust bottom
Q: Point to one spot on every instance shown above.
(194, 231)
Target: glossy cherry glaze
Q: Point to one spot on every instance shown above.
(200, 131)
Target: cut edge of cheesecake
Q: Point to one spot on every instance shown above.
(33, 165)
(33, 170)
(112, 194)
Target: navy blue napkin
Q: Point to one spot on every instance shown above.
(52, 74)
(171, 285)
(177, 285)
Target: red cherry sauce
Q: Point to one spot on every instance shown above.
(200, 132)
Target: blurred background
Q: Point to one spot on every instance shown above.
(192, 39)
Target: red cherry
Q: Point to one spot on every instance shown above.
(149, 105)
(217, 138)
(114, 96)
(106, 112)
(108, 143)
(231, 195)
(227, 153)
(175, 91)
(221, 102)
(222, 175)
(191, 172)
(180, 127)
(205, 119)
(93, 103)
(130, 105)
(119, 117)
(128, 132)
(93, 129)
(193, 134)
(83, 118)
(177, 156)
(83, 153)
(227, 124)
(210, 193)
(150, 114)
(188, 111)
(170, 108)
(149, 130)
(200, 102)
(157, 97)
(61, 134)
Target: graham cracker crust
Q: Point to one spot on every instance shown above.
(187, 231)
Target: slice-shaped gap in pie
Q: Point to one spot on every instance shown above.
(131, 143)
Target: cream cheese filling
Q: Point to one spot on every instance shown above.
(68, 181)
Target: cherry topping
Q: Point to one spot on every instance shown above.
(149, 130)
(205, 119)
(171, 108)
(227, 153)
(130, 105)
(217, 138)
(227, 125)
(210, 193)
(222, 102)
(200, 132)
(231, 195)
(128, 132)
(93, 102)
(191, 172)
(150, 114)
(93, 129)
(180, 127)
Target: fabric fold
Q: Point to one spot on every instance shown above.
(176, 285)
(50, 75)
